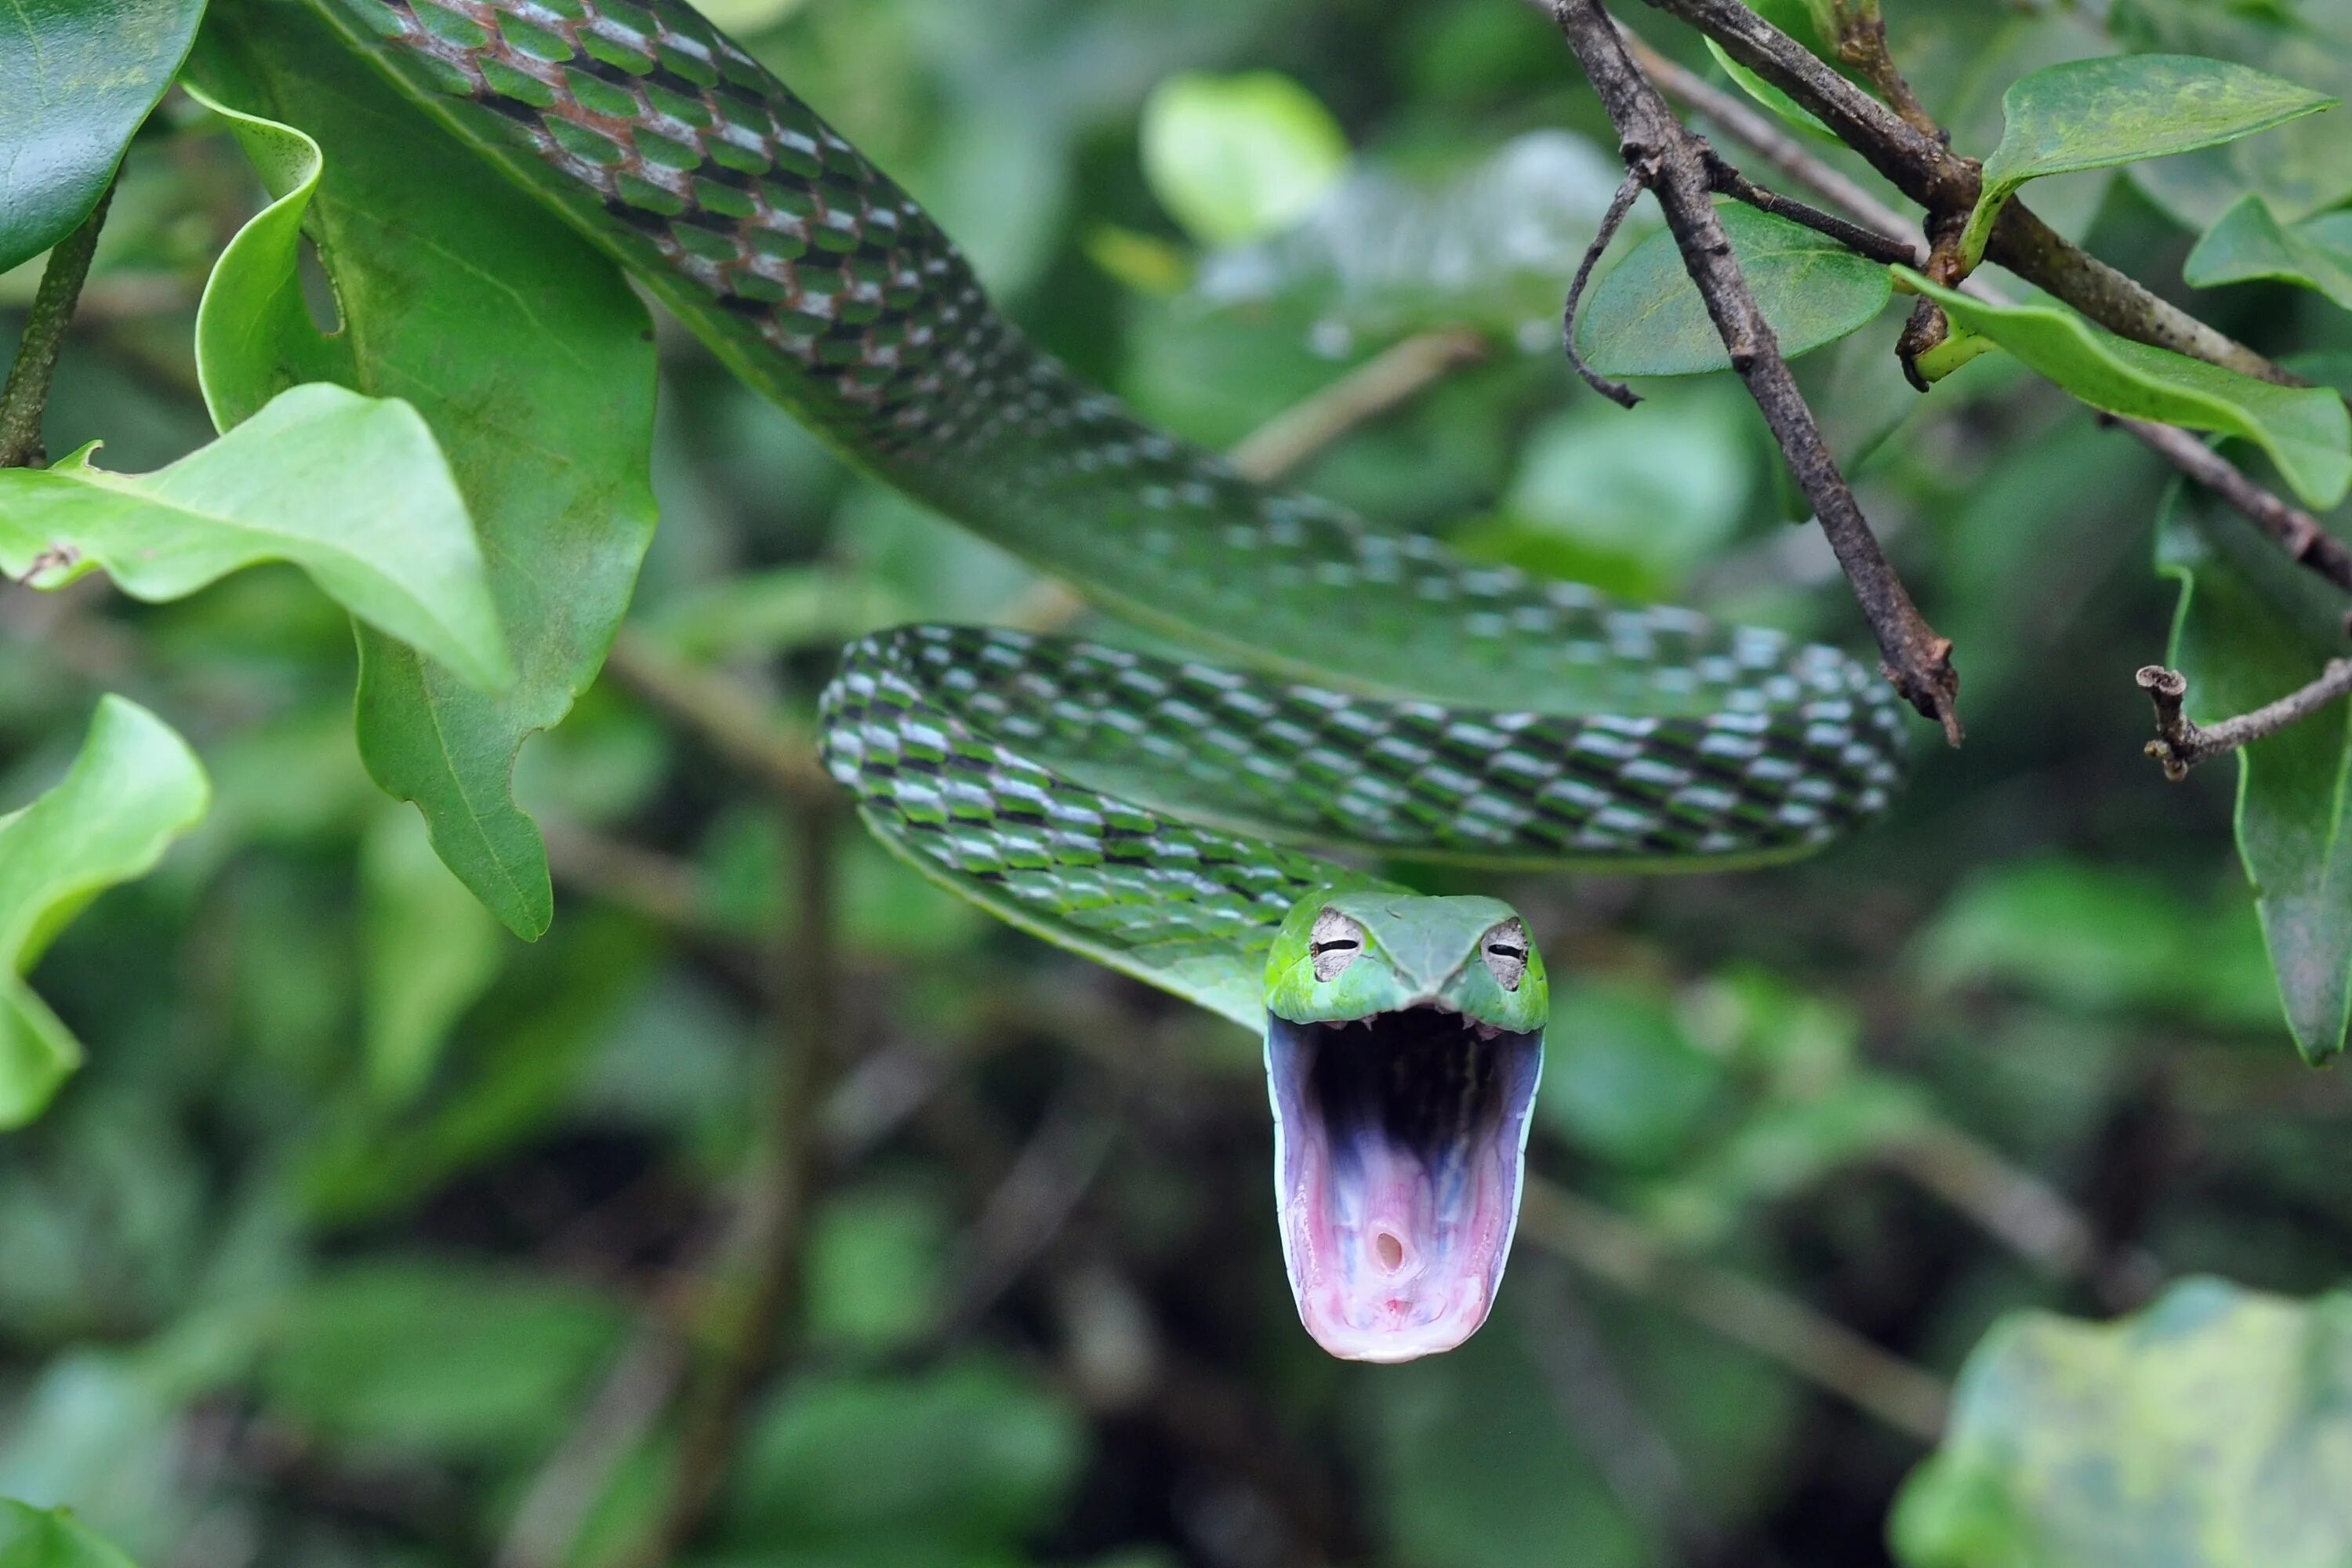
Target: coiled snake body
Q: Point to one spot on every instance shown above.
(1139, 809)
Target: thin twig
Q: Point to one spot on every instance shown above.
(761, 1307)
(1616, 392)
(2296, 532)
(2024, 1213)
(1671, 161)
(547, 1523)
(1381, 384)
(2181, 743)
(1817, 1348)
(25, 401)
(1867, 242)
(1599, 1412)
(727, 716)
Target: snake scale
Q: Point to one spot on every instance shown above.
(1356, 685)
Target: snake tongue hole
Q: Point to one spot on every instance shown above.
(1398, 1152)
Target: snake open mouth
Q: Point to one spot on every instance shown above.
(1398, 1145)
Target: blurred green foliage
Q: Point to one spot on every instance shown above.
(369, 1234)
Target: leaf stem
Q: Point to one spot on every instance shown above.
(2181, 743)
(25, 400)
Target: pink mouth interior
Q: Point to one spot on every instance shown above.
(1398, 1148)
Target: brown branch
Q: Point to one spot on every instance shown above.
(2181, 743)
(1863, 241)
(1381, 384)
(25, 399)
(1616, 392)
(1817, 1348)
(1922, 168)
(2295, 530)
(726, 717)
(758, 1297)
(1671, 162)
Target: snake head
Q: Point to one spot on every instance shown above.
(1404, 1036)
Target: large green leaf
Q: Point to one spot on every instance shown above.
(2250, 242)
(2213, 1430)
(2123, 109)
(135, 787)
(2305, 429)
(2250, 627)
(51, 1537)
(350, 488)
(1646, 317)
(77, 77)
(1239, 156)
(523, 350)
(2301, 168)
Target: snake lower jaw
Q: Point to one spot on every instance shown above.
(1400, 1144)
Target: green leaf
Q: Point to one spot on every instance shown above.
(350, 488)
(51, 1537)
(1492, 246)
(2121, 108)
(1803, 22)
(461, 1361)
(1646, 317)
(1234, 157)
(135, 787)
(2208, 1430)
(2250, 243)
(2102, 939)
(970, 1453)
(431, 950)
(2305, 429)
(526, 354)
(254, 331)
(77, 77)
(2250, 627)
(2302, 167)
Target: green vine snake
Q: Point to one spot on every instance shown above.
(1356, 685)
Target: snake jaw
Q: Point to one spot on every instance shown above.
(1400, 1140)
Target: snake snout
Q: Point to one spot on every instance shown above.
(1399, 1143)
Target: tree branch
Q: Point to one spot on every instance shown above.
(756, 1301)
(2181, 743)
(25, 398)
(732, 722)
(1817, 1348)
(1929, 173)
(1305, 431)
(1671, 162)
(2295, 530)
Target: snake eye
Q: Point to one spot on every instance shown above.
(1333, 944)
(1505, 950)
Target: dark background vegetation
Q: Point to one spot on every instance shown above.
(372, 1234)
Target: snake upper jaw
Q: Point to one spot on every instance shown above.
(1399, 1144)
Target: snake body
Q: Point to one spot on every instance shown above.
(1381, 693)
